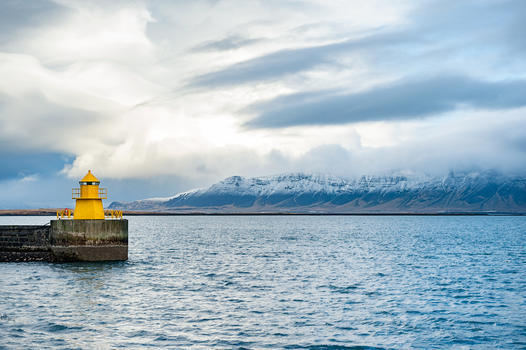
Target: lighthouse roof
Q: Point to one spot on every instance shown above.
(89, 178)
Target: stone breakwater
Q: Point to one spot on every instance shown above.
(65, 240)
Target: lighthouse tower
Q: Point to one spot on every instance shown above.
(89, 198)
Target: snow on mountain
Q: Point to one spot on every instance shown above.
(309, 183)
(476, 191)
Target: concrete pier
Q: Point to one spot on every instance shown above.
(89, 240)
(25, 243)
(65, 240)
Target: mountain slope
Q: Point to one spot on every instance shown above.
(474, 192)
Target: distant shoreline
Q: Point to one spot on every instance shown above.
(52, 212)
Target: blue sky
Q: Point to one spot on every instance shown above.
(158, 97)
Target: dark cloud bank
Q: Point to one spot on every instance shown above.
(402, 100)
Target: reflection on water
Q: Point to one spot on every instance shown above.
(90, 280)
(280, 282)
(91, 269)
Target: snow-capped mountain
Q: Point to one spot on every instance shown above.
(486, 191)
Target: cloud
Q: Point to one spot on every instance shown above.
(17, 16)
(87, 30)
(281, 63)
(467, 141)
(229, 43)
(23, 166)
(402, 100)
(438, 37)
(33, 180)
(34, 124)
(266, 67)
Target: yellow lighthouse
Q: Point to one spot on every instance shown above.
(89, 198)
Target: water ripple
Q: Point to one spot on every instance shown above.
(281, 283)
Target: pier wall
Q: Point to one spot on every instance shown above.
(25, 243)
(65, 240)
(89, 240)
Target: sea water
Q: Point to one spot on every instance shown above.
(280, 282)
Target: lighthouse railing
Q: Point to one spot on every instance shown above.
(75, 193)
(113, 214)
(103, 194)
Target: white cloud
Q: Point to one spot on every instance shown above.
(92, 32)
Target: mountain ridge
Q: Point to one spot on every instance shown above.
(477, 192)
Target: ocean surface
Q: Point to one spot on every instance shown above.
(278, 282)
